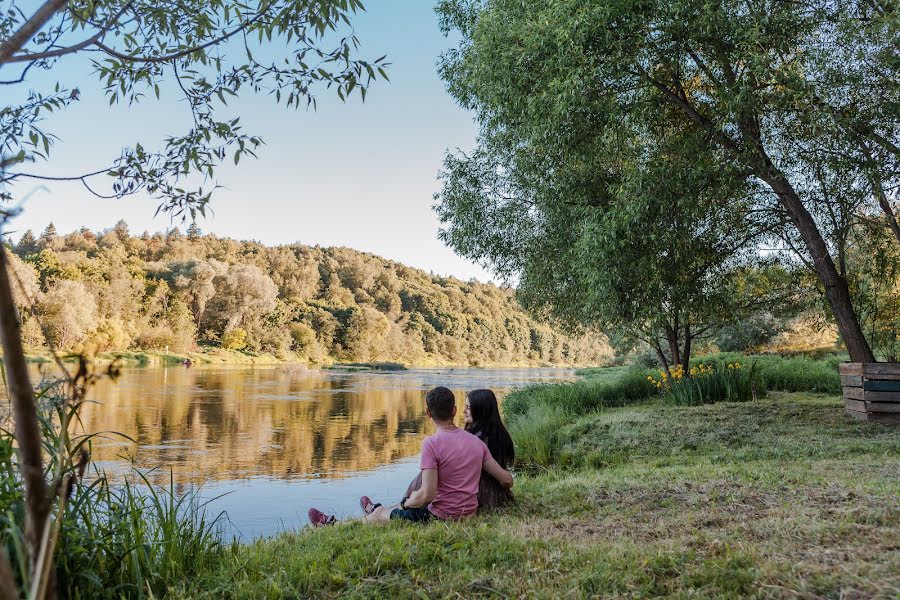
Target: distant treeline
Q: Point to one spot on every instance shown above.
(108, 291)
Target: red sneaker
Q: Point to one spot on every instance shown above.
(320, 519)
(367, 505)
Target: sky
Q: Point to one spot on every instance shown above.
(359, 174)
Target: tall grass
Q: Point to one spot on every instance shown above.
(581, 396)
(115, 539)
(537, 415)
(797, 374)
(724, 382)
(133, 541)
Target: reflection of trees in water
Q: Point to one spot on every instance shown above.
(226, 423)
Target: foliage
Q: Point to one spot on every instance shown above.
(709, 383)
(205, 54)
(572, 97)
(875, 285)
(157, 292)
(116, 539)
(795, 374)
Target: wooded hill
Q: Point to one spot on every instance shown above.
(110, 291)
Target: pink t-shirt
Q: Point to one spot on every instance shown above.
(457, 455)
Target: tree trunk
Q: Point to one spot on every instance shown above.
(836, 289)
(672, 339)
(662, 357)
(686, 354)
(24, 411)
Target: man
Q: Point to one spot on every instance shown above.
(452, 462)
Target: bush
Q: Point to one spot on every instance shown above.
(708, 384)
(235, 339)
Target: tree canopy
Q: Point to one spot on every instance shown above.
(206, 53)
(574, 98)
(101, 291)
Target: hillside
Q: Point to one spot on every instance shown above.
(113, 291)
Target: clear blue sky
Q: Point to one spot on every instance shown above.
(358, 174)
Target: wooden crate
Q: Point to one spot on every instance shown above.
(872, 391)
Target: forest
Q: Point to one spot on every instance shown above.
(178, 292)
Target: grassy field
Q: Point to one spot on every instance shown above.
(781, 498)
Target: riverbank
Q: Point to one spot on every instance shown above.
(211, 355)
(150, 358)
(783, 497)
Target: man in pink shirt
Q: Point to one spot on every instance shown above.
(452, 462)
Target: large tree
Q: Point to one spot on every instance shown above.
(208, 52)
(802, 98)
(640, 242)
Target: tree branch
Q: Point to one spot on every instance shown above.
(186, 52)
(94, 39)
(32, 26)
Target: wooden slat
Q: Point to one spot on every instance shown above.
(851, 368)
(882, 377)
(861, 394)
(854, 393)
(879, 396)
(879, 385)
(881, 370)
(880, 407)
(851, 380)
(883, 418)
(857, 405)
(862, 416)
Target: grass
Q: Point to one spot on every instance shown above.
(785, 497)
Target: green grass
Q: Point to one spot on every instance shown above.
(785, 497)
(797, 374)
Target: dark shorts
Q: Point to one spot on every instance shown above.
(416, 515)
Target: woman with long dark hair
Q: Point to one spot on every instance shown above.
(482, 419)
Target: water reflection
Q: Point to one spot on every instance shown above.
(280, 422)
(276, 440)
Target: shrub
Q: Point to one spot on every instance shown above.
(707, 384)
(235, 339)
(115, 540)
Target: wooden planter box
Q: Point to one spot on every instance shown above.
(872, 391)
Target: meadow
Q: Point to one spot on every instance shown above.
(620, 494)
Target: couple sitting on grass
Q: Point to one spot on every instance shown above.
(462, 469)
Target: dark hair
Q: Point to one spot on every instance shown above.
(488, 426)
(440, 402)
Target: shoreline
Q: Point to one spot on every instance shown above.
(219, 356)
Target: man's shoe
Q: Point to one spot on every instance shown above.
(320, 519)
(367, 505)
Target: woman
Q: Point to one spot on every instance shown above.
(482, 418)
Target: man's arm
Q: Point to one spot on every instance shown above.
(426, 493)
(497, 472)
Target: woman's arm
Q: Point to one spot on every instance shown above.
(497, 472)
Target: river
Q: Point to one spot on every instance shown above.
(266, 443)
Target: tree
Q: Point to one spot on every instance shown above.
(244, 294)
(194, 232)
(27, 244)
(49, 238)
(143, 43)
(776, 89)
(69, 312)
